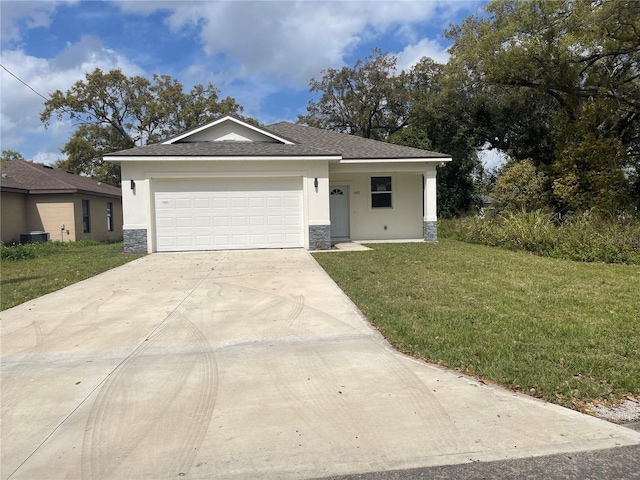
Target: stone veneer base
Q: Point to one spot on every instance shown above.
(135, 240)
(430, 231)
(319, 237)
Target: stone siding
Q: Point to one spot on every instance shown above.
(430, 231)
(319, 237)
(135, 241)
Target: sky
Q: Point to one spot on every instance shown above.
(262, 53)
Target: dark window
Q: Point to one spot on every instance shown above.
(86, 222)
(110, 216)
(381, 192)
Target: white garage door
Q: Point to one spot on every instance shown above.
(231, 213)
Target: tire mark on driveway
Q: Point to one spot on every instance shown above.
(135, 408)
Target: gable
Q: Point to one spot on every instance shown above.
(227, 129)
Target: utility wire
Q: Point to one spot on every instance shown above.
(23, 82)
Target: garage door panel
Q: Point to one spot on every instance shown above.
(183, 222)
(184, 241)
(256, 202)
(222, 215)
(218, 202)
(293, 237)
(164, 222)
(203, 240)
(203, 222)
(202, 203)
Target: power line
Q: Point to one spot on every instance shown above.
(23, 82)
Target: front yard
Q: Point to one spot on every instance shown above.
(30, 271)
(563, 331)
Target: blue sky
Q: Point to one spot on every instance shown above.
(262, 53)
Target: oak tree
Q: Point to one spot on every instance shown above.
(113, 111)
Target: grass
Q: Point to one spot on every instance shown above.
(589, 237)
(30, 271)
(564, 331)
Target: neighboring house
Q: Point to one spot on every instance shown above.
(232, 185)
(485, 205)
(36, 197)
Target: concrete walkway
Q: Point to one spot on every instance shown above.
(243, 365)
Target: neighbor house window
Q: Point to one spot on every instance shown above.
(110, 216)
(381, 192)
(86, 222)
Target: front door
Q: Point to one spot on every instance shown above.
(339, 211)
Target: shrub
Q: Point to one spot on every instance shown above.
(16, 252)
(587, 237)
(39, 249)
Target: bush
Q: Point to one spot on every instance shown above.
(587, 237)
(16, 252)
(33, 250)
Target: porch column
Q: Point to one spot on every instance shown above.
(430, 219)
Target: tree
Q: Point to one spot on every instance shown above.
(368, 99)
(592, 165)
(521, 187)
(441, 118)
(116, 112)
(536, 64)
(8, 155)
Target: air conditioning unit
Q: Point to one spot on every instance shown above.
(33, 237)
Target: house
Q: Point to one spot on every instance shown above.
(36, 197)
(232, 185)
(484, 205)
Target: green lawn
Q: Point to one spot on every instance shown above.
(54, 265)
(564, 331)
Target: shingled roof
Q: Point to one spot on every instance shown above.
(35, 178)
(223, 149)
(306, 142)
(349, 146)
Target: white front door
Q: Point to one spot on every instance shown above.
(229, 213)
(339, 211)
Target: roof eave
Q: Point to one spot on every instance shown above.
(397, 160)
(199, 158)
(70, 191)
(13, 189)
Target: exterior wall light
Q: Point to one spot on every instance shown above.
(133, 185)
(315, 183)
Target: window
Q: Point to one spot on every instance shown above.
(109, 216)
(86, 223)
(381, 192)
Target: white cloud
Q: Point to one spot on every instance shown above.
(292, 41)
(21, 128)
(28, 14)
(425, 48)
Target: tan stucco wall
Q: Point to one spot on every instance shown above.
(403, 221)
(49, 212)
(97, 218)
(13, 219)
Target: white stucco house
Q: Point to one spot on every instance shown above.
(231, 185)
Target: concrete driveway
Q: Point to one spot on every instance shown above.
(243, 365)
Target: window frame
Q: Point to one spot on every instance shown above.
(86, 216)
(380, 193)
(109, 216)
